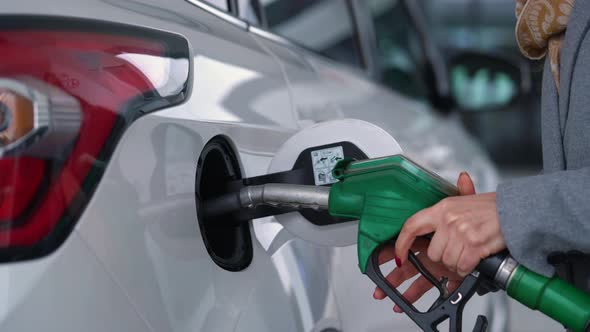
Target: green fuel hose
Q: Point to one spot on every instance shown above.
(551, 296)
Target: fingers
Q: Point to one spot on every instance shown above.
(416, 290)
(386, 254)
(467, 262)
(465, 184)
(437, 245)
(452, 253)
(379, 294)
(425, 222)
(419, 224)
(397, 277)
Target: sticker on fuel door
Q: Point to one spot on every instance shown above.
(323, 163)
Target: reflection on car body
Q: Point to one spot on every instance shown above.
(260, 72)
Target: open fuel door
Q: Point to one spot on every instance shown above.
(308, 158)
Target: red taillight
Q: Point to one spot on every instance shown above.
(66, 94)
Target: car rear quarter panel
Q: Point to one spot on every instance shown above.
(141, 224)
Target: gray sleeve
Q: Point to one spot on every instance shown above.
(543, 214)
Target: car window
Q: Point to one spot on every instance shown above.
(251, 12)
(324, 26)
(400, 51)
(221, 4)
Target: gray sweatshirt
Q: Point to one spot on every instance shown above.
(551, 212)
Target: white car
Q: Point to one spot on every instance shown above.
(119, 117)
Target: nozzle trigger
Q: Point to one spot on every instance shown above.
(447, 306)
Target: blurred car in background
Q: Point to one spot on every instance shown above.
(459, 56)
(511, 134)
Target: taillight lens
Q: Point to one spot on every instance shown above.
(68, 89)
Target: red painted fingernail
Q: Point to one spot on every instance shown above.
(398, 261)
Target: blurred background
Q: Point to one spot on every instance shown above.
(497, 90)
(511, 135)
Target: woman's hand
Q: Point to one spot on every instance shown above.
(407, 271)
(466, 229)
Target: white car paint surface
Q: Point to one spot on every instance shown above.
(136, 259)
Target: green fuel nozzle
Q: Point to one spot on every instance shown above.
(383, 193)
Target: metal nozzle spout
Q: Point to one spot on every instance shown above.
(291, 196)
(285, 197)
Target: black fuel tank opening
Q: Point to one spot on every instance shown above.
(228, 242)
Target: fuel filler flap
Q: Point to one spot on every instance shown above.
(314, 151)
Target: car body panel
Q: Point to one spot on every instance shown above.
(67, 291)
(142, 223)
(138, 241)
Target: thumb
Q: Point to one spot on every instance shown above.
(465, 184)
